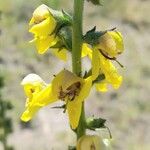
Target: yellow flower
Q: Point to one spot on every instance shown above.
(109, 46)
(66, 86)
(43, 25)
(38, 95)
(90, 142)
(111, 43)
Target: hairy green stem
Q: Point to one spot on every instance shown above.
(77, 36)
(76, 55)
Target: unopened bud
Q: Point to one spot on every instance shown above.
(90, 142)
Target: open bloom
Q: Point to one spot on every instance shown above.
(43, 25)
(66, 86)
(109, 46)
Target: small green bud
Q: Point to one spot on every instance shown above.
(90, 142)
(94, 123)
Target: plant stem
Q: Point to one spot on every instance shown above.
(76, 55)
(81, 130)
(77, 36)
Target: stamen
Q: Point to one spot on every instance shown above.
(62, 94)
(32, 90)
(119, 63)
(70, 93)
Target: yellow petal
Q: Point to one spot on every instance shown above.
(85, 90)
(86, 51)
(44, 97)
(32, 21)
(43, 44)
(45, 28)
(107, 45)
(61, 54)
(32, 83)
(41, 12)
(63, 80)
(95, 63)
(110, 72)
(74, 107)
(29, 113)
(39, 100)
(118, 38)
(101, 87)
(74, 112)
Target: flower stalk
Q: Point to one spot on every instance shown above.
(76, 55)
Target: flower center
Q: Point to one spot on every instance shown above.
(70, 93)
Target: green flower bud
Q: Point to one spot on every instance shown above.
(90, 142)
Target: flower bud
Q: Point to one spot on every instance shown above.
(90, 142)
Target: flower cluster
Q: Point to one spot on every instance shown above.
(52, 29)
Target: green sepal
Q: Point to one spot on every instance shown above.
(65, 39)
(96, 2)
(92, 36)
(63, 19)
(65, 34)
(95, 123)
(100, 78)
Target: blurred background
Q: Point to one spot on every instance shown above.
(127, 110)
